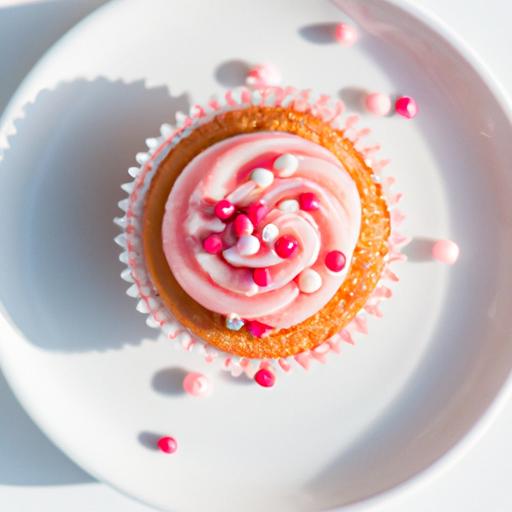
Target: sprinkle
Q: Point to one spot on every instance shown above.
(309, 202)
(224, 209)
(263, 75)
(234, 322)
(445, 251)
(265, 378)
(406, 107)
(289, 206)
(256, 212)
(196, 384)
(378, 103)
(309, 281)
(167, 444)
(345, 35)
(257, 329)
(335, 261)
(248, 245)
(243, 225)
(261, 276)
(269, 233)
(286, 165)
(285, 246)
(212, 244)
(262, 177)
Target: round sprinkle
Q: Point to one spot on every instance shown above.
(378, 103)
(167, 444)
(263, 75)
(285, 165)
(289, 206)
(285, 246)
(345, 35)
(309, 281)
(243, 225)
(234, 322)
(265, 378)
(248, 245)
(406, 107)
(256, 212)
(212, 244)
(196, 384)
(262, 177)
(224, 209)
(335, 261)
(269, 233)
(445, 251)
(309, 202)
(261, 276)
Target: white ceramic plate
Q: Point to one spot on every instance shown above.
(101, 384)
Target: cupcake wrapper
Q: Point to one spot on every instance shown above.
(135, 273)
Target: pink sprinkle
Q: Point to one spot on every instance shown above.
(212, 244)
(265, 378)
(261, 276)
(256, 212)
(335, 261)
(285, 246)
(445, 251)
(196, 384)
(243, 225)
(309, 202)
(224, 209)
(345, 34)
(378, 103)
(263, 75)
(257, 329)
(406, 107)
(167, 444)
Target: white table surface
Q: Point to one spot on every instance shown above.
(36, 477)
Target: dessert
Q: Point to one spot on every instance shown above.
(259, 229)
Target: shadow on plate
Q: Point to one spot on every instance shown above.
(169, 381)
(319, 33)
(59, 273)
(232, 73)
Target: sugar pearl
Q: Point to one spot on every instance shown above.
(248, 245)
(234, 322)
(263, 75)
(378, 103)
(224, 209)
(289, 206)
(261, 276)
(445, 251)
(167, 444)
(406, 107)
(309, 281)
(335, 261)
(345, 34)
(262, 177)
(212, 244)
(196, 384)
(285, 165)
(285, 246)
(309, 202)
(243, 225)
(257, 329)
(269, 233)
(265, 378)
(256, 212)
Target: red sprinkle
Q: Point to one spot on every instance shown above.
(406, 107)
(224, 209)
(335, 261)
(261, 276)
(257, 329)
(243, 225)
(256, 212)
(309, 202)
(167, 444)
(212, 244)
(265, 378)
(285, 246)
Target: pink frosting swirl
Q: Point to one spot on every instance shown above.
(224, 282)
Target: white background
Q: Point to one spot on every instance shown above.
(35, 476)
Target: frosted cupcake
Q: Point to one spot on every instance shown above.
(259, 230)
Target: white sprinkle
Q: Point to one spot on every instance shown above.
(309, 281)
(269, 233)
(289, 206)
(142, 158)
(286, 165)
(234, 322)
(262, 177)
(248, 245)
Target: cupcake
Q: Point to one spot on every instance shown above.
(260, 230)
